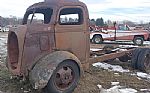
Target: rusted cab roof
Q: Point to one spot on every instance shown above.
(56, 3)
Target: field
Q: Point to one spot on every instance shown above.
(112, 77)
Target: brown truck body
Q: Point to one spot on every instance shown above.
(35, 40)
(54, 51)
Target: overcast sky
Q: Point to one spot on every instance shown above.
(116, 10)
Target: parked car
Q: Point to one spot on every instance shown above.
(4, 29)
(122, 33)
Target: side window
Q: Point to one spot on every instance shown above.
(38, 16)
(71, 16)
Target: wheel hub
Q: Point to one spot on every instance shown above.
(97, 40)
(64, 77)
(138, 41)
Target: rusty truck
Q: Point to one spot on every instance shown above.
(52, 46)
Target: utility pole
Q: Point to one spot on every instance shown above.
(115, 30)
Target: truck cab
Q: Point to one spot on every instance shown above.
(51, 45)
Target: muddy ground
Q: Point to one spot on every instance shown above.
(87, 84)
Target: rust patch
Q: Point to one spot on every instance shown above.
(42, 71)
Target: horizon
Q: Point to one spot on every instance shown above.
(114, 10)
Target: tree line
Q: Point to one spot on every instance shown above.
(13, 20)
(101, 22)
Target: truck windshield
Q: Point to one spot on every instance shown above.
(38, 16)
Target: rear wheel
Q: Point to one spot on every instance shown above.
(97, 39)
(134, 59)
(65, 78)
(138, 41)
(143, 62)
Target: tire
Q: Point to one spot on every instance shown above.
(134, 59)
(138, 41)
(108, 49)
(124, 58)
(60, 82)
(143, 62)
(97, 39)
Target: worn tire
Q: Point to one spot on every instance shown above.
(53, 87)
(143, 62)
(97, 39)
(134, 59)
(124, 58)
(108, 49)
(138, 41)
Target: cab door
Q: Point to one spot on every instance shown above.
(71, 31)
(40, 34)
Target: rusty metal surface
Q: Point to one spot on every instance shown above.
(56, 4)
(101, 46)
(20, 33)
(64, 77)
(37, 40)
(74, 38)
(42, 71)
(109, 56)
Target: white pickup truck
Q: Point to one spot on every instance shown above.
(121, 33)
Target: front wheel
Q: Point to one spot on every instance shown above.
(138, 41)
(65, 78)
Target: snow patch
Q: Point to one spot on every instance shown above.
(128, 90)
(93, 49)
(118, 68)
(3, 48)
(99, 86)
(110, 67)
(118, 89)
(116, 74)
(127, 46)
(145, 90)
(143, 75)
(114, 83)
(147, 42)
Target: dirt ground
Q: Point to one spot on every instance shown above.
(87, 84)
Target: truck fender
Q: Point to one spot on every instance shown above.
(43, 69)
